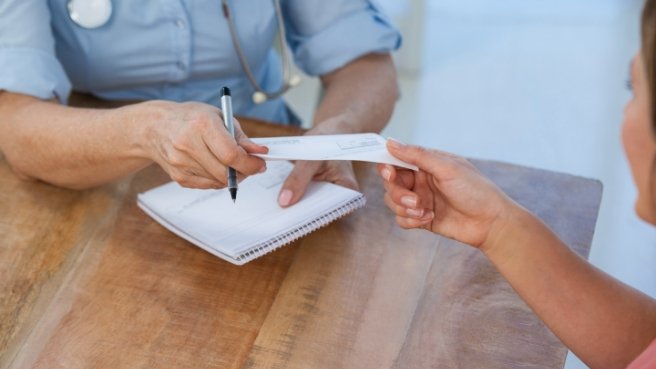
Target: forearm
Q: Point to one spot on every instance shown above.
(606, 323)
(70, 147)
(359, 97)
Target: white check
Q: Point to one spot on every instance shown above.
(359, 147)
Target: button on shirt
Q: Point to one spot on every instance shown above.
(181, 50)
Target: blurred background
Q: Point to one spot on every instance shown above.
(532, 82)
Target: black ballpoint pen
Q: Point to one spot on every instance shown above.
(226, 106)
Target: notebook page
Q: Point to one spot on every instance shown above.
(210, 216)
(320, 198)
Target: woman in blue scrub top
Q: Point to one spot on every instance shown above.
(176, 55)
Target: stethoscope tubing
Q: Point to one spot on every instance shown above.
(260, 94)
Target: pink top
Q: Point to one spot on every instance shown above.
(646, 360)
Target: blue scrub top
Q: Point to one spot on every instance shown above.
(181, 49)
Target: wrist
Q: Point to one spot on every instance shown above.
(145, 121)
(507, 232)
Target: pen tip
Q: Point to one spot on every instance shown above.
(233, 194)
(225, 91)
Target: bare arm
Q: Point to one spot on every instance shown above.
(603, 321)
(359, 97)
(69, 147)
(81, 148)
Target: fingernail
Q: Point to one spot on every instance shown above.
(410, 201)
(417, 213)
(428, 216)
(263, 169)
(285, 197)
(387, 174)
(395, 143)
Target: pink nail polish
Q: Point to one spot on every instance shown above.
(428, 216)
(409, 201)
(395, 143)
(417, 213)
(387, 174)
(285, 197)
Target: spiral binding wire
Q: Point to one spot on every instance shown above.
(291, 236)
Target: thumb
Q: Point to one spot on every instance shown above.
(297, 182)
(430, 161)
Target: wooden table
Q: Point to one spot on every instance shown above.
(90, 281)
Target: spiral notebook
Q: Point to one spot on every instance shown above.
(254, 225)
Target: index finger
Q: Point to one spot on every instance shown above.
(229, 153)
(244, 141)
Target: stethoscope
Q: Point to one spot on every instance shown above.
(90, 14)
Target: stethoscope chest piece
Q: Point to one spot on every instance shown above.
(90, 14)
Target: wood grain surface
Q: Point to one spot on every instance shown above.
(90, 281)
